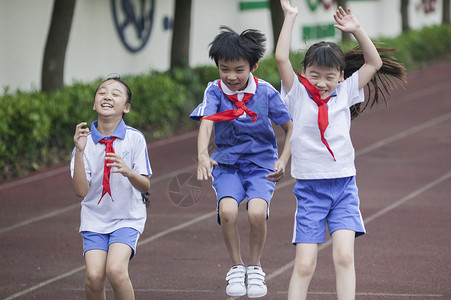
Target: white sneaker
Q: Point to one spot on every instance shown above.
(256, 285)
(235, 281)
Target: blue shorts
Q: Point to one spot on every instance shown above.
(334, 201)
(100, 241)
(244, 179)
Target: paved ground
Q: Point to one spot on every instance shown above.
(404, 178)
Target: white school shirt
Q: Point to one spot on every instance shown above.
(127, 209)
(310, 157)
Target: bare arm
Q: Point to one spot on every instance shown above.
(281, 163)
(79, 181)
(204, 162)
(348, 23)
(282, 53)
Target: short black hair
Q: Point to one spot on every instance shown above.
(229, 46)
(325, 54)
(117, 77)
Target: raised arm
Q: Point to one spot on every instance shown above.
(348, 23)
(283, 45)
(79, 181)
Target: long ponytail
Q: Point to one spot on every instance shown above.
(391, 75)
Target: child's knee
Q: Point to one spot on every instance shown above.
(305, 267)
(257, 217)
(257, 212)
(95, 279)
(343, 259)
(228, 210)
(116, 273)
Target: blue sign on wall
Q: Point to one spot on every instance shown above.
(133, 20)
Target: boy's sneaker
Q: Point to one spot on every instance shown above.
(256, 285)
(235, 281)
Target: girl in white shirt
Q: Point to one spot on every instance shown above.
(322, 99)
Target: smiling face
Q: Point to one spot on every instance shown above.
(325, 79)
(235, 74)
(111, 99)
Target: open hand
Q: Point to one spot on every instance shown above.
(204, 168)
(287, 8)
(114, 160)
(81, 136)
(279, 173)
(346, 22)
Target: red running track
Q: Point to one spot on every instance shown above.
(404, 177)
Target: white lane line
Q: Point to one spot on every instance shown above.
(178, 227)
(33, 178)
(60, 170)
(143, 242)
(77, 205)
(359, 152)
(150, 290)
(192, 134)
(274, 274)
(44, 283)
(405, 133)
(421, 190)
(40, 218)
(383, 295)
(282, 185)
(279, 186)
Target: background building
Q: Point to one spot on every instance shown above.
(95, 48)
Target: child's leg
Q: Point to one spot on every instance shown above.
(304, 267)
(256, 211)
(343, 256)
(117, 271)
(95, 274)
(228, 213)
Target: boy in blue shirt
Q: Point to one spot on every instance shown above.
(241, 107)
(110, 169)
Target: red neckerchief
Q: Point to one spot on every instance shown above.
(106, 170)
(323, 118)
(232, 114)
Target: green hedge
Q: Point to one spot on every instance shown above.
(36, 129)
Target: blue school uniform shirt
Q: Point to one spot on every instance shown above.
(240, 139)
(127, 209)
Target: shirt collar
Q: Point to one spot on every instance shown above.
(119, 132)
(250, 88)
(334, 94)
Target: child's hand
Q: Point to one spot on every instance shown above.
(346, 21)
(204, 168)
(287, 8)
(81, 136)
(114, 160)
(279, 166)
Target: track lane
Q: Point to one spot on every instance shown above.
(163, 264)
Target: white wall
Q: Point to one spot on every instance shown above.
(23, 31)
(95, 49)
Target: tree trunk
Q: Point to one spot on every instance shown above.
(345, 36)
(446, 13)
(52, 77)
(405, 15)
(277, 18)
(181, 34)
